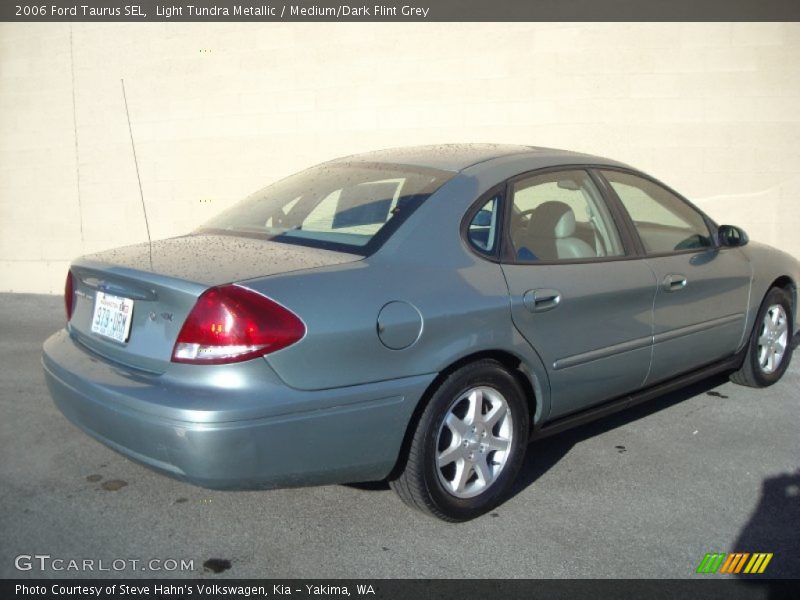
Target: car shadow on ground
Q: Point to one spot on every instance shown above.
(773, 528)
(546, 453)
(369, 486)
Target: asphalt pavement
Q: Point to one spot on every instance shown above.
(645, 493)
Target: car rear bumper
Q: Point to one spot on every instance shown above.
(241, 428)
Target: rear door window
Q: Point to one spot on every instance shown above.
(561, 216)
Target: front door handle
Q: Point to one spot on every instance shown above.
(541, 300)
(674, 282)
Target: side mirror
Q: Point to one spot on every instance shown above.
(731, 236)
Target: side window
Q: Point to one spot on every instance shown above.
(665, 222)
(561, 216)
(483, 232)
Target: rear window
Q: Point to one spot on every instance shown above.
(341, 206)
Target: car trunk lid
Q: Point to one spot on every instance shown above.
(164, 283)
(214, 259)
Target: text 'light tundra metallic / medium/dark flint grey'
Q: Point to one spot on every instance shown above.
(417, 315)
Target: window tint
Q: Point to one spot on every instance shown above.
(665, 222)
(483, 227)
(561, 216)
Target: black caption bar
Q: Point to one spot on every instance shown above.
(409, 10)
(380, 589)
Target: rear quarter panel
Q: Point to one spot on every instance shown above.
(462, 298)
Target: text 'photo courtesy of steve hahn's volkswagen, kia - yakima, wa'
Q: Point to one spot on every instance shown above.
(416, 315)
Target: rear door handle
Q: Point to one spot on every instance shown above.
(674, 282)
(541, 300)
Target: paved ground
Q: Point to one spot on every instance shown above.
(642, 494)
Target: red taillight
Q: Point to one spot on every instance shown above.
(69, 295)
(230, 324)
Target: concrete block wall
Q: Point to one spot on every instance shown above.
(219, 110)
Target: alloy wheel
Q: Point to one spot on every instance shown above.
(772, 339)
(474, 442)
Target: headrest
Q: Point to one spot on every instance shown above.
(554, 220)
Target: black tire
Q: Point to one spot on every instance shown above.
(421, 484)
(752, 373)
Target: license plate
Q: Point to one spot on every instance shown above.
(112, 316)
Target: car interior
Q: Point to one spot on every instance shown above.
(553, 217)
(551, 234)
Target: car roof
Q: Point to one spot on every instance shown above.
(457, 157)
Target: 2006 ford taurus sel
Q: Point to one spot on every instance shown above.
(416, 315)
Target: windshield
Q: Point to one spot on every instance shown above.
(340, 206)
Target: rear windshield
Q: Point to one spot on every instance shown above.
(340, 206)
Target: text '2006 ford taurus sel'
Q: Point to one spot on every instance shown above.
(417, 315)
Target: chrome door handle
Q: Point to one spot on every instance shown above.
(541, 300)
(674, 282)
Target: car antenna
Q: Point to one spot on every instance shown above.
(138, 177)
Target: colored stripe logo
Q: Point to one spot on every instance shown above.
(734, 562)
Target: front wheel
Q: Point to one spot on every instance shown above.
(468, 445)
(769, 349)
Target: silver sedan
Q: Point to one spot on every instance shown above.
(417, 315)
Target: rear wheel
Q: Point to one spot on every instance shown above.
(770, 347)
(468, 445)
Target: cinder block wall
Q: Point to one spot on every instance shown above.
(218, 110)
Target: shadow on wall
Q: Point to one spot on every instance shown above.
(775, 527)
